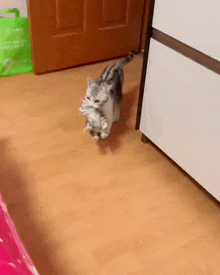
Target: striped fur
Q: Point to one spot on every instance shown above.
(110, 83)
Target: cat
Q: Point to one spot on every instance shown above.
(96, 123)
(106, 93)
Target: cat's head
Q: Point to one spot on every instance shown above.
(85, 109)
(97, 95)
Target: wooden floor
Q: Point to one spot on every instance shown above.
(115, 208)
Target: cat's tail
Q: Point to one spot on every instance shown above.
(125, 60)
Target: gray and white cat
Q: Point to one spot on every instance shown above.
(106, 93)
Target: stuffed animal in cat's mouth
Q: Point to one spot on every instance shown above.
(96, 123)
(102, 99)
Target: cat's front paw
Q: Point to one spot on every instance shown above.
(116, 117)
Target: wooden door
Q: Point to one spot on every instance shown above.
(66, 33)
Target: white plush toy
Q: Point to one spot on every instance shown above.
(96, 123)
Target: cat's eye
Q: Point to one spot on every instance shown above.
(97, 101)
(88, 98)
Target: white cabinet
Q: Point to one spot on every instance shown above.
(193, 22)
(181, 113)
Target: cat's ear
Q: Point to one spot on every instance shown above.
(91, 82)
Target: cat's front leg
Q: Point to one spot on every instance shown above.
(114, 117)
(117, 112)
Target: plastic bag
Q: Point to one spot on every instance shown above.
(15, 49)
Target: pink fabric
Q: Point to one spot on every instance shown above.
(14, 259)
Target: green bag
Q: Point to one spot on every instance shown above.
(15, 50)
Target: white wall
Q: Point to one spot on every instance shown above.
(193, 22)
(19, 4)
